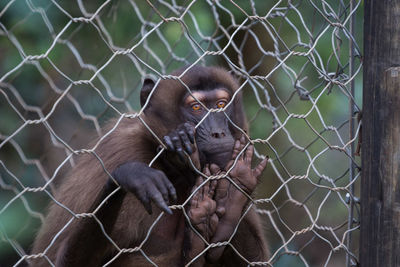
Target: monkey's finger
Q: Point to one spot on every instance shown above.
(206, 189)
(213, 185)
(243, 140)
(215, 170)
(242, 146)
(190, 130)
(199, 180)
(206, 170)
(202, 191)
(220, 211)
(169, 143)
(178, 146)
(249, 154)
(213, 223)
(237, 152)
(236, 149)
(195, 200)
(157, 198)
(186, 142)
(170, 188)
(163, 190)
(260, 167)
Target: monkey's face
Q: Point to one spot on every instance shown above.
(214, 137)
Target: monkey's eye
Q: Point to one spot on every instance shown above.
(196, 107)
(221, 103)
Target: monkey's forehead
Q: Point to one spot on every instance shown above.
(217, 93)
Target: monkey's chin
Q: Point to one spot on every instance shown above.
(221, 158)
(219, 153)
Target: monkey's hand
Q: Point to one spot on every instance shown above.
(182, 139)
(242, 173)
(147, 184)
(203, 207)
(203, 218)
(231, 201)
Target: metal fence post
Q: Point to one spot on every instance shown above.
(380, 186)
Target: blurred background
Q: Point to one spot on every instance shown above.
(66, 67)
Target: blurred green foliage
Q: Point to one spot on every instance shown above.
(83, 49)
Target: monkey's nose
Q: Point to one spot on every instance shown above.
(217, 134)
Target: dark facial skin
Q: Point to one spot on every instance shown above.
(213, 137)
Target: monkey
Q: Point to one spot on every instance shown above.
(121, 198)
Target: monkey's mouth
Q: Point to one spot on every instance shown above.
(219, 153)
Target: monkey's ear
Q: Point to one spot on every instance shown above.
(148, 85)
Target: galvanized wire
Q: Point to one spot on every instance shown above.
(299, 65)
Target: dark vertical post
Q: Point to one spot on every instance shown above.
(380, 184)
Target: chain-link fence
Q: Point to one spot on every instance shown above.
(68, 67)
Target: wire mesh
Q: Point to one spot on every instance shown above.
(67, 68)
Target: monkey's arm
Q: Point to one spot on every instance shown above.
(203, 218)
(197, 246)
(87, 236)
(249, 241)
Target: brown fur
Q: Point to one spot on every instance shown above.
(123, 217)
